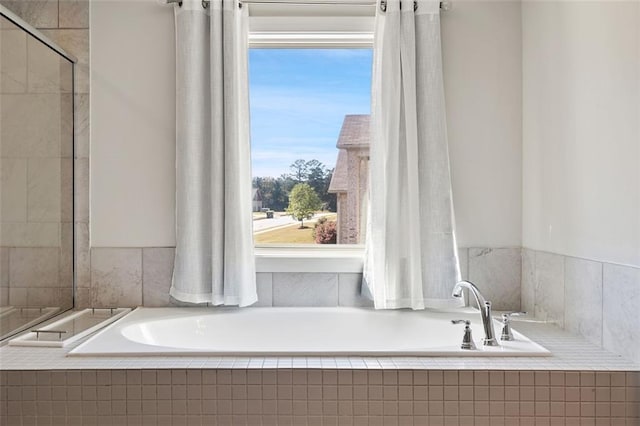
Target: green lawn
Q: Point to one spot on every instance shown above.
(290, 234)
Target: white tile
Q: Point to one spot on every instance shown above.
(65, 259)
(116, 277)
(46, 69)
(30, 125)
(33, 267)
(76, 42)
(13, 57)
(4, 296)
(528, 282)
(49, 296)
(37, 13)
(66, 125)
(583, 298)
(82, 190)
(83, 298)
(157, 269)
(621, 299)
(30, 234)
(82, 122)
(18, 296)
(496, 272)
(66, 190)
(463, 259)
(13, 190)
(350, 291)
(83, 255)
(264, 283)
(44, 188)
(73, 14)
(549, 292)
(4, 266)
(303, 289)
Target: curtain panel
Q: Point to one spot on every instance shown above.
(411, 256)
(214, 260)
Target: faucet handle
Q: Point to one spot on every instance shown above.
(506, 325)
(467, 339)
(506, 317)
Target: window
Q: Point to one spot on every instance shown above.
(310, 139)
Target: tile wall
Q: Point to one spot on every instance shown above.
(142, 276)
(66, 22)
(319, 397)
(36, 155)
(594, 299)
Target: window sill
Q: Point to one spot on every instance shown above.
(313, 259)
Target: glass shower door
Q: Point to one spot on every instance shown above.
(36, 178)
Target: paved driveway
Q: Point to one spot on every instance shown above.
(276, 222)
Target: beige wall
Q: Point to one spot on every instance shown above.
(132, 166)
(483, 86)
(581, 144)
(132, 127)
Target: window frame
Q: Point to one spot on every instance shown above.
(295, 27)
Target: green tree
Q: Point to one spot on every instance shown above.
(299, 171)
(273, 190)
(303, 202)
(329, 200)
(279, 194)
(316, 174)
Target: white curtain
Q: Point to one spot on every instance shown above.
(214, 259)
(411, 256)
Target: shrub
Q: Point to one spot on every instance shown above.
(325, 232)
(321, 221)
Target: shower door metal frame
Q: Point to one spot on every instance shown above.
(32, 31)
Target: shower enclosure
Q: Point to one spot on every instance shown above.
(36, 176)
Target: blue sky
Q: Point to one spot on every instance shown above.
(299, 98)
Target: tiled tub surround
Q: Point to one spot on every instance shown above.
(36, 277)
(142, 277)
(580, 384)
(319, 397)
(596, 300)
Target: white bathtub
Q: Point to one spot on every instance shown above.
(296, 332)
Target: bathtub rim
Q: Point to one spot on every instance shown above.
(166, 351)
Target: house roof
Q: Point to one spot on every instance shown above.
(340, 174)
(256, 195)
(355, 132)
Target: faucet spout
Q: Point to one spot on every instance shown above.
(485, 310)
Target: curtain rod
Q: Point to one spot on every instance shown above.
(445, 5)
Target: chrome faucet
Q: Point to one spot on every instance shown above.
(485, 310)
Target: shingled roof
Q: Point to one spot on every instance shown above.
(355, 134)
(340, 174)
